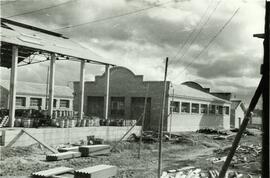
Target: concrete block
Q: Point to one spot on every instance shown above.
(51, 172)
(64, 155)
(74, 148)
(104, 171)
(94, 150)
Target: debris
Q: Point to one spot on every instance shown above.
(104, 171)
(212, 131)
(4, 121)
(52, 172)
(63, 155)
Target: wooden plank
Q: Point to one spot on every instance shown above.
(52, 172)
(104, 171)
(42, 143)
(61, 156)
(15, 139)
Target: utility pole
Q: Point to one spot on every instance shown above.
(161, 121)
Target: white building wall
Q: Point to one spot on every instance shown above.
(191, 122)
(239, 116)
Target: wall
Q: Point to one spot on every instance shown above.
(124, 83)
(239, 113)
(192, 122)
(57, 136)
(3, 98)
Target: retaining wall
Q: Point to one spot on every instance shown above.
(57, 136)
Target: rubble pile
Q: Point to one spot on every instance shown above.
(212, 131)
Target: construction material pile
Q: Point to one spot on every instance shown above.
(212, 131)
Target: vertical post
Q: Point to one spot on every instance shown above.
(12, 89)
(107, 91)
(171, 115)
(51, 84)
(47, 83)
(81, 89)
(161, 122)
(265, 95)
(143, 118)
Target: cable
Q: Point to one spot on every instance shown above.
(213, 38)
(113, 17)
(190, 34)
(197, 35)
(30, 12)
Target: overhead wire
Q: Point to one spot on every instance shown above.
(37, 10)
(200, 30)
(190, 34)
(213, 38)
(113, 17)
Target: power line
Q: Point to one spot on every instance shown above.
(200, 30)
(30, 12)
(213, 38)
(113, 17)
(190, 34)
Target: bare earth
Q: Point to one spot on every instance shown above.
(22, 161)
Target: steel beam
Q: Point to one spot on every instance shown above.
(82, 74)
(51, 84)
(12, 88)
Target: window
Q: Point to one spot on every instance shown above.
(220, 110)
(212, 109)
(20, 101)
(227, 110)
(118, 106)
(35, 101)
(204, 108)
(54, 102)
(195, 108)
(175, 106)
(64, 103)
(185, 107)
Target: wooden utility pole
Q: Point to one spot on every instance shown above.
(161, 121)
(107, 91)
(82, 74)
(143, 119)
(51, 84)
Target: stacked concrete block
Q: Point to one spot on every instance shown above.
(74, 148)
(64, 155)
(104, 171)
(94, 150)
(52, 172)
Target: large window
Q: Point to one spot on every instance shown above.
(185, 107)
(118, 106)
(212, 109)
(20, 101)
(35, 101)
(195, 108)
(220, 110)
(204, 108)
(175, 106)
(227, 110)
(64, 103)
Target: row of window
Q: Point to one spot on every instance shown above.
(197, 108)
(21, 101)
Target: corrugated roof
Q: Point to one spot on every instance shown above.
(23, 35)
(30, 88)
(185, 91)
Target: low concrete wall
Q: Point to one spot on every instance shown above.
(57, 136)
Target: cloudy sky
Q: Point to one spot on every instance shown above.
(139, 34)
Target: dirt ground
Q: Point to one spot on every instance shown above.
(22, 161)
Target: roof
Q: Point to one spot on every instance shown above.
(32, 39)
(187, 92)
(38, 89)
(236, 103)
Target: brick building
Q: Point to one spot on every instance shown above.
(127, 93)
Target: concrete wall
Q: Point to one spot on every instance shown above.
(124, 83)
(193, 121)
(57, 136)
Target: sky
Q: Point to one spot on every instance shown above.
(207, 41)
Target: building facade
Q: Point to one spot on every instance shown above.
(34, 96)
(237, 113)
(186, 110)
